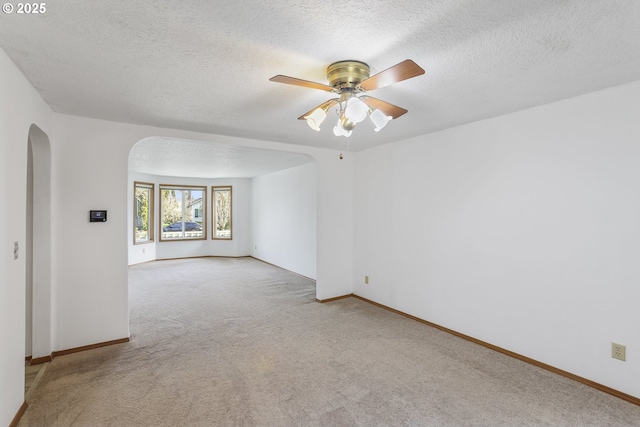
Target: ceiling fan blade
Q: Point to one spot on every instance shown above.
(389, 109)
(325, 105)
(299, 82)
(407, 69)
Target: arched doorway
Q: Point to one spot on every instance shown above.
(38, 246)
(155, 161)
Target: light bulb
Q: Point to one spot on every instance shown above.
(346, 123)
(338, 130)
(356, 110)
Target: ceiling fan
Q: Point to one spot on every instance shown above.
(350, 79)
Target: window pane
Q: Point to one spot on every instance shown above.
(221, 212)
(143, 212)
(182, 213)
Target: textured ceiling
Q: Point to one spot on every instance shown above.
(205, 65)
(196, 159)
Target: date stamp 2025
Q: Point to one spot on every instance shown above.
(25, 8)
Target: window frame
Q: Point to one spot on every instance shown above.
(214, 211)
(179, 187)
(150, 228)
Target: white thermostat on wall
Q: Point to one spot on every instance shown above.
(97, 216)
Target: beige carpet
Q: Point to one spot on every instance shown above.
(236, 342)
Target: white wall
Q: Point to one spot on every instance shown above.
(284, 219)
(20, 107)
(522, 231)
(334, 232)
(89, 173)
(28, 254)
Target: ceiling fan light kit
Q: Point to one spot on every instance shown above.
(350, 79)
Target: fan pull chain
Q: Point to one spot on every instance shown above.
(348, 148)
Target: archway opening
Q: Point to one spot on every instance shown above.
(281, 184)
(38, 335)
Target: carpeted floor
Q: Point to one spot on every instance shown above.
(237, 342)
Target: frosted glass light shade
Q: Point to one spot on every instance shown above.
(356, 110)
(315, 119)
(338, 130)
(379, 119)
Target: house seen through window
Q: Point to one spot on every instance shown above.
(182, 212)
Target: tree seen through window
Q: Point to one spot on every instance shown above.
(222, 212)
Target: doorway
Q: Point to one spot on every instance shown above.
(38, 248)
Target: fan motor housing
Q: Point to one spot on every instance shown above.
(349, 73)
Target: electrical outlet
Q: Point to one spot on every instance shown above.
(366, 280)
(618, 351)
